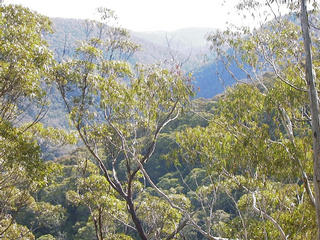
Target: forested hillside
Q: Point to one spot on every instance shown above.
(186, 46)
(102, 140)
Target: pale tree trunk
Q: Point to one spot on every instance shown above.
(314, 105)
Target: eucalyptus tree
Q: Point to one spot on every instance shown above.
(119, 110)
(260, 137)
(314, 106)
(24, 69)
(313, 97)
(255, 165)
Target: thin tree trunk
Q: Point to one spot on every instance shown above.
(100, 224)
(314, 105)
(135, 219)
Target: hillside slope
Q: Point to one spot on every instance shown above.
(186, 45)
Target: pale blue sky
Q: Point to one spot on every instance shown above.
(143, 15)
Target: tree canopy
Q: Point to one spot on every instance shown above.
(146, 159)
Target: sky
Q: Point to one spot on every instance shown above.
(142, 15)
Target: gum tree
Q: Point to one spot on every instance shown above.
(313, 98)
(118, 110)
(24, 69)
(263, 129)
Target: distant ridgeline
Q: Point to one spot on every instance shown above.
(210, 77)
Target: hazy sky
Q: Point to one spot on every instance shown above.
(142, 15)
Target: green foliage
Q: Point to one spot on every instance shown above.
(158, 217)
(243, 161)
(12, 230)
(95, 193)
(46, 237)
(25, 58)
(25, 63)
(119, 112)
(247, 136)
(43, 217)
(258, 144)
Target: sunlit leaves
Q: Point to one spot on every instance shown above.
(119, 111)
(11, 230)
(95, 193)
(158, 217)
(259, 139)
(25, 62)
(24, 57)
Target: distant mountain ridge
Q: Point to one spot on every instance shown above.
(186, 37)
(187, 45)
(184, 44)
